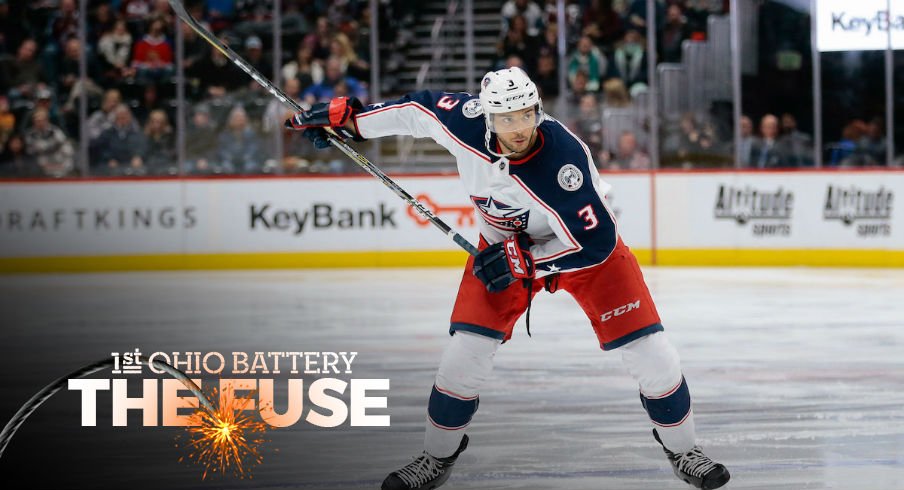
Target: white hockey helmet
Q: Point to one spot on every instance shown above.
(509, 90)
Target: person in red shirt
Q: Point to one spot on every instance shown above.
(153, 56)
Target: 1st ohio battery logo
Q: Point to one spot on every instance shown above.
(769, 211)
(320, 216)
(868, 211)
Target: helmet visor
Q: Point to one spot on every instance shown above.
(508, 122)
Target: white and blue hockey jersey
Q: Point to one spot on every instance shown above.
(554, 194)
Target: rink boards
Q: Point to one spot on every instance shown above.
(669, 218)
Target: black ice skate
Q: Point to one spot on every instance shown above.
(424, 473)
(695, 468)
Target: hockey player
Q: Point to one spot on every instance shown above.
(545, 224)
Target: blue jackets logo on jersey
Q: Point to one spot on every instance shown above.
(472, 109)
(570, 178)
(500, 215)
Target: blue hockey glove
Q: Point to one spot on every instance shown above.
(333, 114)
(317, 136)
(503, 263)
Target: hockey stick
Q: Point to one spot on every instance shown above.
(334, 139)
(25, 411)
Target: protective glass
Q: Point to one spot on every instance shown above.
(508, 122)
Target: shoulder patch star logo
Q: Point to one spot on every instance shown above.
(553, 268)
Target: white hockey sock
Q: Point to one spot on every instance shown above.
(654, 363)
(466, 364)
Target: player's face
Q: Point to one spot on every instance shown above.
(515, 130)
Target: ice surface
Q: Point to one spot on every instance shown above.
(797, 376)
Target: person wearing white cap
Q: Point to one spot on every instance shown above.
(254, 54)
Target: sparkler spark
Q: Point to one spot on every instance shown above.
(228, 439)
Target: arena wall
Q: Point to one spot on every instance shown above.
(827, 218)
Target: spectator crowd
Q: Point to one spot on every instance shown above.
(607, 76)
(231, 125)
(607, 61)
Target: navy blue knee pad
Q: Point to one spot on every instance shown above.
(670, 409)
(450, 411)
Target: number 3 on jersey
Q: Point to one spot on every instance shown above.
(446, 103)
(586, 213)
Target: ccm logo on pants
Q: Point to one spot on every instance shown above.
(621, 310)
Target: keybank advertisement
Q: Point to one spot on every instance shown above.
(859, 25)
(255, 215)
(830, 210)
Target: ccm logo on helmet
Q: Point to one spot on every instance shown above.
(514, 256)
(621, 310)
